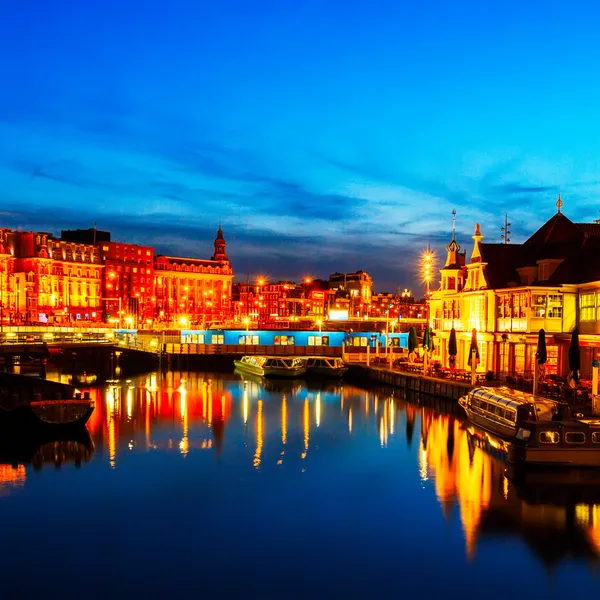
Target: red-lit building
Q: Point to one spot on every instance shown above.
(276, 304)
(48, 280)
(194, 292)
(128, 283)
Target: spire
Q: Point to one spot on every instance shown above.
(453, 249)
(476, 254)
(559, 204)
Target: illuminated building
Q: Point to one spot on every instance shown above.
(508, 292)
(397, 306)
(128, 283)
(192, 291)
(48, 280)
(277, 304)
(353, 292)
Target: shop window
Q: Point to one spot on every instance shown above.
(217, 339)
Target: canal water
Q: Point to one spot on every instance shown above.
(204, 485)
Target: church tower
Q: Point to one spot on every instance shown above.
(220, 247)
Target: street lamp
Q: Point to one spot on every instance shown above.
(427, 268)
(246, 322)
(320, 323)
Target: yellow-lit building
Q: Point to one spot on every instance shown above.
(508, 292)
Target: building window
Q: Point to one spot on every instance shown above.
(555, 306)
(248, 339)
(217, 339)
(520, 359)
(538, 305)
(587, 307)
(284, 340)
(318, 340)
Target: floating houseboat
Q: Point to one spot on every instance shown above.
(502, 410)
(271, 366)
(325, 366)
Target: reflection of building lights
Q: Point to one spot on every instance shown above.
(11, 478)
(318, 409)
(183, 408)
(259, 434)
(284, 417)
(245, 403)
(306, 426)
(350, 420)
(423, 464)
(129, 403)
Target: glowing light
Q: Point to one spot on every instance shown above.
(259, 435)
(350, 420)
(284, 418)
(318, 409)
(245, 403)
(306, 427)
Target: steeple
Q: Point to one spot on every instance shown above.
(452, 249)
(559, 204)
(476, 254)
(220, 246)
(452, 271)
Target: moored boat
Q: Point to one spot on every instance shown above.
(502, 410)
(57, 416)
(271, 366)
(572, 442)
(325, 366)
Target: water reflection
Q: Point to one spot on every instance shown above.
(293, 426)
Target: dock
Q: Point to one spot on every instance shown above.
(412, 382)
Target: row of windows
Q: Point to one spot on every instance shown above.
(571, 437)
(490, 408)
(280, 340)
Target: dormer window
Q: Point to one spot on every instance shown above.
(544, 272)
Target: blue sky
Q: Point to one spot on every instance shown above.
(325, 135)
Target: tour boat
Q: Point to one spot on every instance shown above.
(59, 416)
(271, 366)
(572, 442)
(325, 366)
(502, 410)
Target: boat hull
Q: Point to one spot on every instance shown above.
(287, 373)
(326, 372)
(54, 416)
(243, 367)
(522, 454)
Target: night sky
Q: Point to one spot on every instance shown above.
(326, 136)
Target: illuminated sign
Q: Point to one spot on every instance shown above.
(338, 315)
(317, 295)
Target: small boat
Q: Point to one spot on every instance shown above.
(57, 416)
(568, 443)
(502, 410)
(271, 366)
(325, 366)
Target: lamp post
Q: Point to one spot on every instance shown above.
(246, 322)
(320, 324)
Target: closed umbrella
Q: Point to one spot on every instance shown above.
(574, 356)
(452, 348)
(541, 358)
(426, 348)
(427, 338)
(473, 356)
(412, 340)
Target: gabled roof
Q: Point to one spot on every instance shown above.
(501, 263)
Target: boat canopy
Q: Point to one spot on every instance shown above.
(504, 396)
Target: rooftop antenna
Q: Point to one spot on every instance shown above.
(505, 230)
(453, 224)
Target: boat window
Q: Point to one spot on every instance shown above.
(575, 437)
(596, 437)
(549, 437)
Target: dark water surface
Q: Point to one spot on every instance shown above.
(202, 485)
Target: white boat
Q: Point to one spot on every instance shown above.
(271, 366)
(325, 366)
(502, 410)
